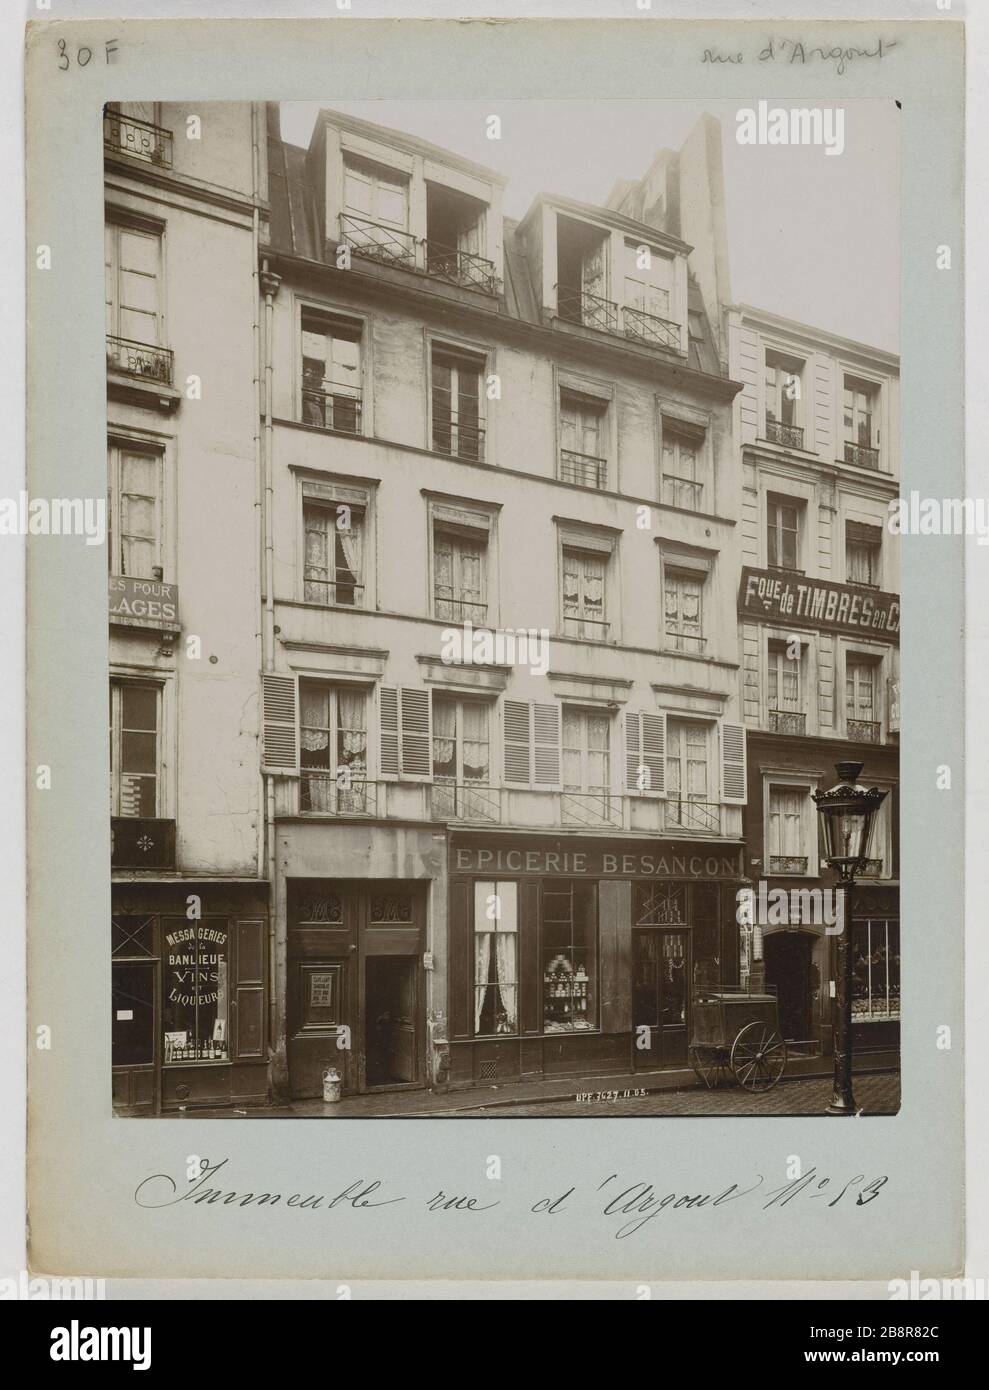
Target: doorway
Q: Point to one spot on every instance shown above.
(788, 967)
(659, 998)
(132, 1034)
(390, 1020)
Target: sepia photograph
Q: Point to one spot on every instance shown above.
(504, 682)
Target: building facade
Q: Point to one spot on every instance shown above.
(819, 620)
(189, 895)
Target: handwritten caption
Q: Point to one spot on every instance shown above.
(789, 51)
(627, 1205)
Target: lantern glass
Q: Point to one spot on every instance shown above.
(847, 814)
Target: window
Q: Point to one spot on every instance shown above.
(195, 992)
(784, 689)
(681, 484)
(569, 956)
(331, 373)
(782, 533)
(133, 269)
(134, 128)
(459, 581)
(377, 193)
(583, 450)
(649, 288)
(135, 485)
(455, 227)
(875, 970)
(134, 750)
(689, 805)
(863, 553)
(457, 425)
(333, 748)
(461, 760)
(787, 853)
(860, 399)
(334, 563)
(586, 752)
(584, 609)
(496, 926)
(783, 400)
(860, 700)
(683, 592)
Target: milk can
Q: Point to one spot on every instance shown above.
(332, 1082)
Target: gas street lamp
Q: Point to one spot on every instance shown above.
(847, 814)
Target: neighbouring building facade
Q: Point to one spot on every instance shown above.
(189, 898)
(471, 722)
(819, 618)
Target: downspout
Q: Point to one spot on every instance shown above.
(258, 462)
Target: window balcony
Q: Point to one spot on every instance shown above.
(862, 455)
(137, 842)
(589, 310)
(460, 610)
(650, 329)
(788, 863)
(460, 441)
(592, 809)
(790, 436)
(393, 246)
(333, 593)
(464, 268)
(332, 411)
(682, 492)
(863, 730)
(677, 641)
(465, 801)
(585, 629)
(786, 721)
(141, 360)
(583, 469)
(693, 817)
(138, 139)
(319, 795)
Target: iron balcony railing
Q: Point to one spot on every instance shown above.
(137, 842)
(699, 817)
(459, 440)
(464, 801)
(790, 436)
(142, 360)
(583, 469)
(341, 593)
(458, 610)
(140, 139)
(378, 242)
(677, 641)
(590, 310)
(574, 626)
(862, 455)
(788, 863)
(682, 492)
(787, 721)
(649, 328)
(591, 809)
(320, 795)
(460, 267)
(332, 410)
(863, 730)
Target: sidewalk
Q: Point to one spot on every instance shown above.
(558, 1092)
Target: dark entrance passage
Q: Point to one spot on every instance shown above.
(788, 968)
(390, 1014)
(659, 997)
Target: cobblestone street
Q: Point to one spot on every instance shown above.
(875, 1095)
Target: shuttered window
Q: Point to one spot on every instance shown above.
(405, 729)
(532, 744)
(645, 753)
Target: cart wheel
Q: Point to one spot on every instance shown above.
(710, 1064)
(758, 1057)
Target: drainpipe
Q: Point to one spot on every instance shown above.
(258, 462)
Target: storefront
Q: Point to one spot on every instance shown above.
(875, 968)
(189, 995)
(573, 955)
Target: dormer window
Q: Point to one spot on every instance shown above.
(455, 238)
(583, 275)
(375, 217)
(647, 314)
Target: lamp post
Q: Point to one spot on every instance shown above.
(847, 812)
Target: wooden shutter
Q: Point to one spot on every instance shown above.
(732, 763)
(247, 1025)
(547, 746)
(645, 746)
(388, 729)
(518, 760)
(280, 705)
(417, 751)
